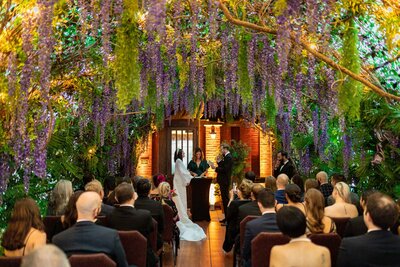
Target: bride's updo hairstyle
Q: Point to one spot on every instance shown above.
(178, 154)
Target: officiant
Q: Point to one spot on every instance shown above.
(198, 166)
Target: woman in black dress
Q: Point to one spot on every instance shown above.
(198, 166)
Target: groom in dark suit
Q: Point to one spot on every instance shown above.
(224, 173)
(378, 247)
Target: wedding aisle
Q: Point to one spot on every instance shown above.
(203, 253)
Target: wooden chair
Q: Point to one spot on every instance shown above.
(331, 241)
(168, 235)
(236, 257)
(90, 260)
(261, 247)
(135, 246)
(341, 224)
(10, 261)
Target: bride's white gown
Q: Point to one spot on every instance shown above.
(188, 230)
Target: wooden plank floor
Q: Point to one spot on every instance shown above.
(203, 253)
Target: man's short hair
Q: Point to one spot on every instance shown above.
(124, 192)
(94, 186)
(322, 176)
(250, 175)
(282, 179)
(337, 178)
(225, 147)
(266, 198)
(366, 194)
(143, 187)
(48, 255)
(382, 210)
(284, 154)
(291, 221)
(256, 189)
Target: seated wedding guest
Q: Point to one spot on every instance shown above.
(311, 183)
(317, 222)
(266, 223)
(300, 251)
(166, 197)
(250, 208)
(250, 175)
(86, 237)
(111, 201)
(378, 247)
(68, 219)
(342, 207)
(25, 229)
(270, 183)
(144, 202)
(109, 187)
(59, 197)
(48, 256)
(325, 187)
(244, 196)
(354, 199)
(281, 181)
(297, 180)
(356, 226)
(293, 197)
(95, 186)
(126, 217)
(156, 180)
(198, 166)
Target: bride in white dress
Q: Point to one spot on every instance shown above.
(188, 230)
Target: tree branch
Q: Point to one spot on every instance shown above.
(312, 51)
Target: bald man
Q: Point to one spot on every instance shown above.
(85, 237)
(325, 187)
(281, 181)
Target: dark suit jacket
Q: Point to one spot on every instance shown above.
(280, 196)
(232, 218)
(155, 208)
(127, 218)
(87, 238)
(287, 169)
(266, 223)
(224, 170)
(248, 209)
(106, 210)
(355, 227)
(376, 248)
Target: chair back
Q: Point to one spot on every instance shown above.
(243, 229)
(341, 224)
(330, 241)
(10, 261)
(135, 246)
(50, 226)
(153, 236)
(169, 223)
(90, 260)
(261, 247)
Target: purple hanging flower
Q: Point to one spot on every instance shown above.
(315, 119)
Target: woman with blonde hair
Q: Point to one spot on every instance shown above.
(317, 222)
(59, 197)
(342, 207)
(164, 190)
(25, 230)
(270, 183)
